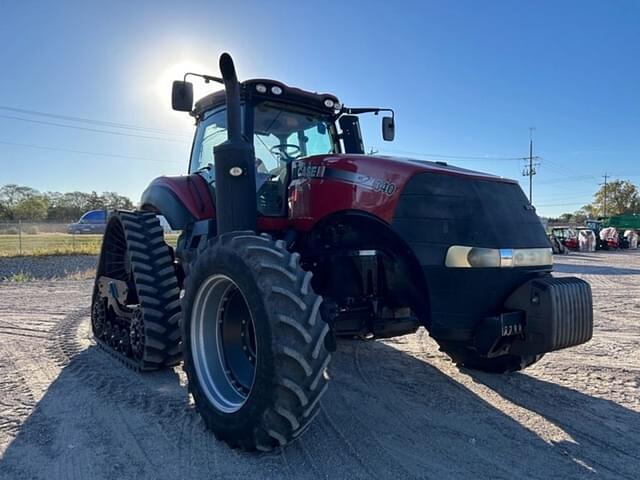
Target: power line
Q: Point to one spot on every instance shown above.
(90, 121)
(588, 178)
(485, 158)
(559, 204)
(96, 130)
(566, 195)
(83, 152)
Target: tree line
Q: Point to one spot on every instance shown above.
(18, 202)
(619, 197)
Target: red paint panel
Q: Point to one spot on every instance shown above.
(313, 198)
(320, 194)
(192, 191)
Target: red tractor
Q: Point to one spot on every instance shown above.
(291, 236)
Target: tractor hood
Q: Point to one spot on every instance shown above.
(419, 166)
(386, 169)
(375, 184)
(428, 203)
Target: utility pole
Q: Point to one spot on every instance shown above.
(604, 213)
(530, 170)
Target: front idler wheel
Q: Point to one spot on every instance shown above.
(253, 342)
(98, 317)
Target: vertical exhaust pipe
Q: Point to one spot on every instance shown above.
(234, 163)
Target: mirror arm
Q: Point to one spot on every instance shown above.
(207, 78)
(375, 111)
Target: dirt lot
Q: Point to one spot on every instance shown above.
(395, 408)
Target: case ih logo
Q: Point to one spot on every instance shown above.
(310, 171)
(319, 171)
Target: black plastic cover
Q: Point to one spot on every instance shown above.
(559, 314)
(438, 210)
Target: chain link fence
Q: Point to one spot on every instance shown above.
(53, 238)
(44, 238)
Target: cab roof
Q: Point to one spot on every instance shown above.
(275, 91)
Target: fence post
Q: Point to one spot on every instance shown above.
(20, 237)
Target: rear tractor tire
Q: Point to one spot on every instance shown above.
(135, 312)
(253, 341)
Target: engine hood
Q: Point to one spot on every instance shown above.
(402, 168)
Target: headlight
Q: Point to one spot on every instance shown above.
(478, 257)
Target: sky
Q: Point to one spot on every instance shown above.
(467, 80)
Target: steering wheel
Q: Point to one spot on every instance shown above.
(282, 151)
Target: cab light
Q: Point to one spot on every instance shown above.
(260, 88)
(276, 90)
(478, 257)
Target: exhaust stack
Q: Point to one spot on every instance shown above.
(235, 182)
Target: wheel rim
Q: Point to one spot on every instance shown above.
(223, 343)
(116, 259)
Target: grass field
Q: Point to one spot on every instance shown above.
(55, 244)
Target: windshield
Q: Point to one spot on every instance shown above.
(282, 134)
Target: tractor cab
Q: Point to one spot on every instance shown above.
(285, 125)
(281, 130)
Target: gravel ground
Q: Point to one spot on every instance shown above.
(40, 268)
(395, 408)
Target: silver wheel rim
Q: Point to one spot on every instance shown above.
(217, 354)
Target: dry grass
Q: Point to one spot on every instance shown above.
(46, 244)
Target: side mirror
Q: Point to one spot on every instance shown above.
(388, 129)
(182, 96)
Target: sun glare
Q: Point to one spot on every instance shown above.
(176, 72)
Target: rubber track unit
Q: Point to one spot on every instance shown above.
(291, 376)
(157, 290)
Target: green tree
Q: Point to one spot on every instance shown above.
(31, 208)
(622, 196)
(11, 195)
(111, 201)
(60, 207)
(95, 201)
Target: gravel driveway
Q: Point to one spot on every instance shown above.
(395, 408)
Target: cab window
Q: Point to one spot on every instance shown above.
(212, 131)
(281, 135)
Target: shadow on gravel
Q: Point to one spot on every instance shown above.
(594, 269)
(65, 434)
(386, 414)
(604, 435)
